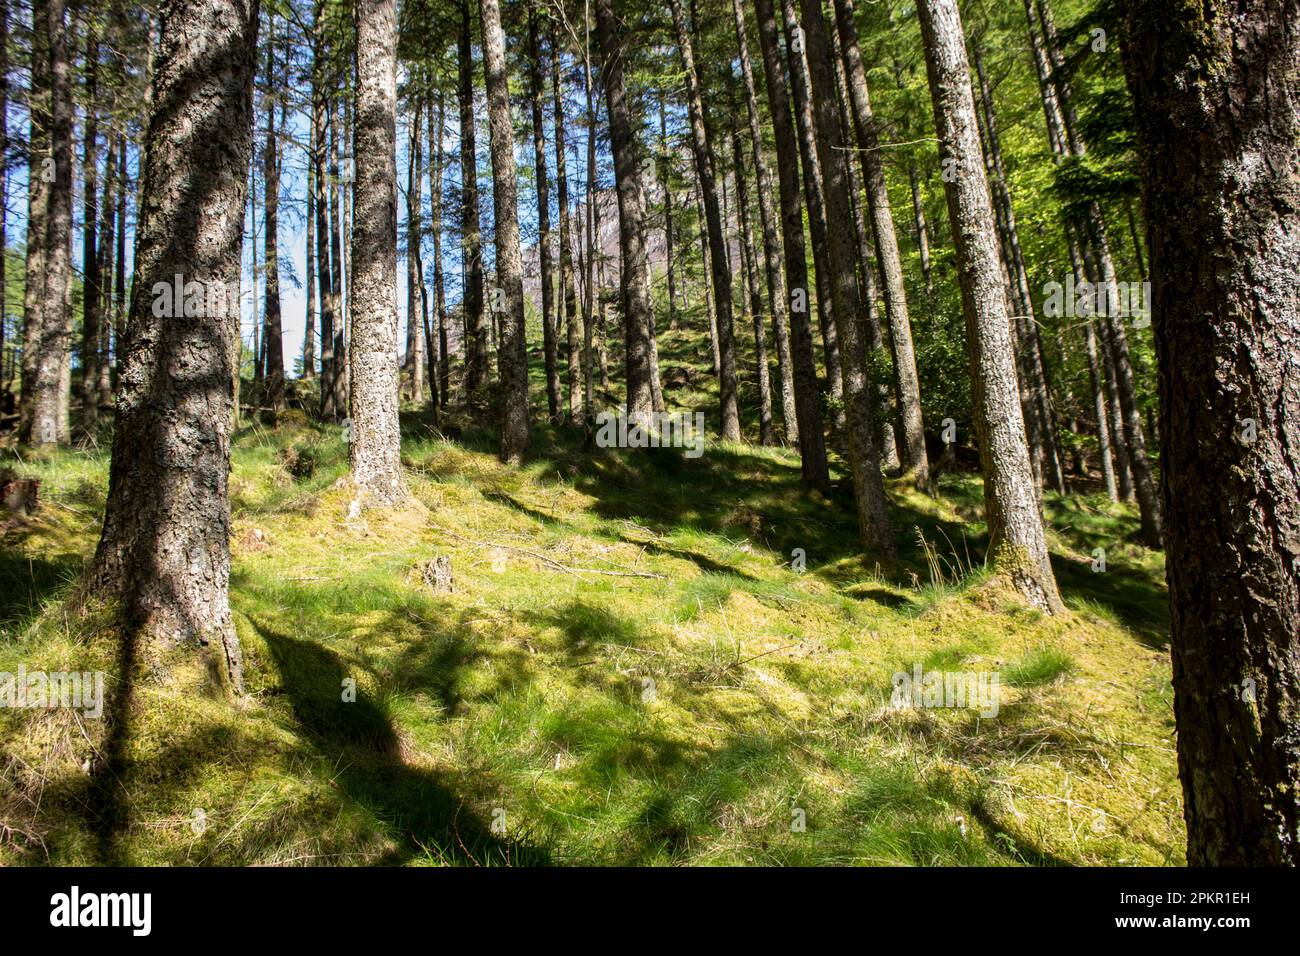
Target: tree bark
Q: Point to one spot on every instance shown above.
(1111, 328)
(568, 292)
(814, 194)
(589, 221)
(164, 552)
(1039, 411)
(766, 432)
(706, 166)
(550, 336)
(772, 245)
(375, 448)
(477, 369)
(1218, 114)
(52, 326)
(309, 271)
(415, 341)
(906, 381)
(272, 334)
(508, 294)
(92, 298)
(324, 211)
(861, 451)
(812, 439)
(107, 242)
(5, 388)
(338, 399)
(1017, 546)
(439, 281)
(631, 217)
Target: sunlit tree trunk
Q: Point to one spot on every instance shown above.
(375, 444)
(1218, 118)
(508, 291)
(1017, 545)
(164, 552)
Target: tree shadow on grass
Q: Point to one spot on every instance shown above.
(28, 583)
(414, 802)
(1139, 603)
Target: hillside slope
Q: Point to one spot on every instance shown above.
(628, 671)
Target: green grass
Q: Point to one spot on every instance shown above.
(629, 672)
(1038, 667)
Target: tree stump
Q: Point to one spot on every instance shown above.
(18, 494)
(437, 574)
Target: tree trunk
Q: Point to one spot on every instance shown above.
(706, 165)
(861, 451)
(589, 224)
(772, 245)
(53, 320)
(1017, 546)
(1099, 405)
(323, 207)
(550, 345)
(119, 264)
(415, 345)
(92, 297)
(631, 217)
(338, 239)
(568, 293)
(1219, 125)
(706, 272)
(665, 167)
(815, 195)
(5, 389)
(766, 433)
(164, 553)
(922, 230)
(107, 243)
(812, 439)
(309, 271)
(1039, 416)
(324, 210)
(589, 218)
(869, 320)
(372, 297)
(273, 334)
(1112, 331)
(508, 294)
(476, 370)
(439, 282)
(906, 382)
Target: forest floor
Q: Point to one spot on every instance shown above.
(629, 671)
